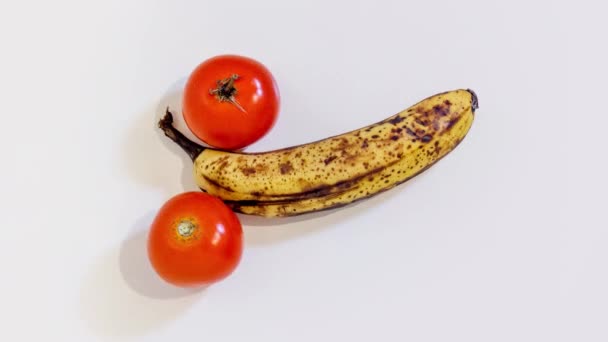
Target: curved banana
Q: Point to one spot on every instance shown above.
(338, 170)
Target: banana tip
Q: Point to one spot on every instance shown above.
(474, 100)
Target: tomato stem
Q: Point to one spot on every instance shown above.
(226, 91)
(190, 147)
(186, 228)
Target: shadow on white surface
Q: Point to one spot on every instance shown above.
(144, 161)
(259, 221)
(122, 295)
(137, 271)
(265, 231)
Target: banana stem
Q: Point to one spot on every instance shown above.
(190, 147)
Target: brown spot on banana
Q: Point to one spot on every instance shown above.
(442, 110)
(410, 132)
(397, 119)
(450, 124)
(247, 171)
(285, 168)
(329, 159)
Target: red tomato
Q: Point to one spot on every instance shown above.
(195, 240)
(230, 101)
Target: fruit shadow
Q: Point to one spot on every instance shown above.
(122, 296)
(149, 156)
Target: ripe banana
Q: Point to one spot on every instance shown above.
(335, 171)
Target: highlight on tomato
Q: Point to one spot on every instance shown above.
(230, 101)
(195, 240)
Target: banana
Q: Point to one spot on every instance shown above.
(336, 171)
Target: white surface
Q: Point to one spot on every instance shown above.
(503, 240)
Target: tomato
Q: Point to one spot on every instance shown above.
(195, 240)
(230, 101)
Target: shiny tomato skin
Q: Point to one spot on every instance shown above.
(205, 251)
(223, 124)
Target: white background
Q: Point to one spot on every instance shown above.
(503, 240)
